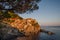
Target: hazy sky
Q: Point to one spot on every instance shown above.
(47, 14)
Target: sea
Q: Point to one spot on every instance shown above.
(54, 29)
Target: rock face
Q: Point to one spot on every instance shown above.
(28, 26)
(9, 33)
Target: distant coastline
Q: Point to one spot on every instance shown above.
(50, 26)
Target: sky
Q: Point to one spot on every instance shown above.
(48, 13)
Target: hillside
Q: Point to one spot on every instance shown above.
(28, 27)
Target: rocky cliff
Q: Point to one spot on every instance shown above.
(28, 27)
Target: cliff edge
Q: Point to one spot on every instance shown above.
(28, 27)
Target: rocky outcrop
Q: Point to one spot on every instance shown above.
(9, 33)
(28, 27)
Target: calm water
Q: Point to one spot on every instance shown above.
(55, 29)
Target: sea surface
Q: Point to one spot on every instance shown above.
(54, 29)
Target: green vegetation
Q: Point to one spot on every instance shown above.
(20, 6)
(8, 14)
(16, 6)
(0, 26)
(36, 24)
(10, 20)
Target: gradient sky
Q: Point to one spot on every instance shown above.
(48, 13)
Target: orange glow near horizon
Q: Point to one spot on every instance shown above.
(50, 24)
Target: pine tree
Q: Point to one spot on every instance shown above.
(20, 6)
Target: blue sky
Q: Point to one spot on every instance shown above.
(48, 13)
